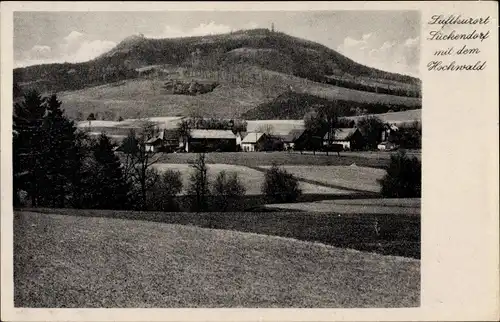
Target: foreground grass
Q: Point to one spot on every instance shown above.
(390, 233)
(66, 261)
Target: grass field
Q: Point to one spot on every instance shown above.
(257, 159)
(398, 234)
(68, 261)
(251, 178)
(356, 206)
(349, 177)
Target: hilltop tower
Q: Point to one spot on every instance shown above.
(272, 27)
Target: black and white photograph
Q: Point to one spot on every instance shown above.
(217, 159)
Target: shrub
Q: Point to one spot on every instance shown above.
(403, 178)
(162, 195)
(227, 188)
(280, 186)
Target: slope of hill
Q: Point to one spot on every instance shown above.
(252, 66)
(240, 90)
(402, 117)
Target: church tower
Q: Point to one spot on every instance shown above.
(272, 27)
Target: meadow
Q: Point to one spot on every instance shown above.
(257, 159)
(75, 262)
(397, 234)
(252, 179)
(349, 177)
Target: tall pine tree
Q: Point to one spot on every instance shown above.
(60, 154)
(111, 189)
(28, 146)
(83, 174)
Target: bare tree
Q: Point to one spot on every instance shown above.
(139, 160)
(266, 129)
(198, 186)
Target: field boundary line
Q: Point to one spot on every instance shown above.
(326, 185)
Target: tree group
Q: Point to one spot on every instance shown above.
(58, 166)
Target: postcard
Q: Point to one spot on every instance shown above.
(249, 161)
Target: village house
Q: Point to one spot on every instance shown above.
(153, 144)
(295, 138)
(254, 141)
(210, 140)
(349, 138)
(239, 138)
(167, 141)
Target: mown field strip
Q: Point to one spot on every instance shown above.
(357, 206)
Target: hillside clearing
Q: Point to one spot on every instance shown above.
(66, 261)
(147, 97)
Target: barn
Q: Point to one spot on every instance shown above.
(210, 140)
(295, 138)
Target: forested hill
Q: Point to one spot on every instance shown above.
(262, 48)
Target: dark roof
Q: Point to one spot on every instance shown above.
(252, 137)
(153, 140)
(342, 134)
(292, 135)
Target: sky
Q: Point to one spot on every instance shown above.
(387, 40)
